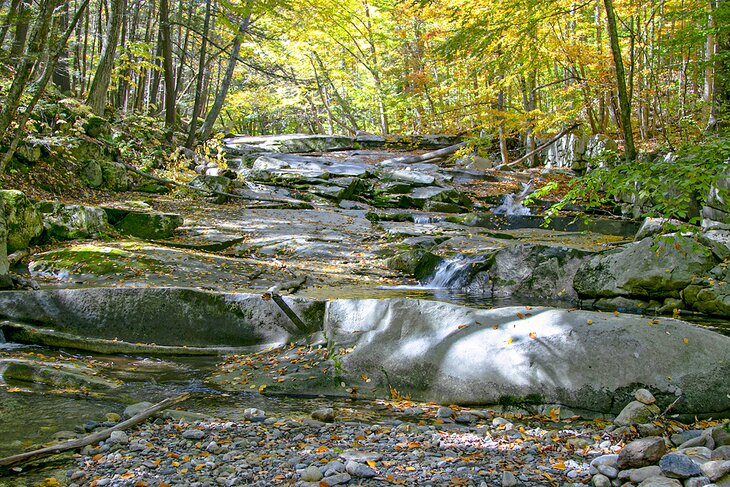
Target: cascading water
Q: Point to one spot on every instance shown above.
(512, 204)
(451, 273)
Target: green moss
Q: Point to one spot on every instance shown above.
(93, 260)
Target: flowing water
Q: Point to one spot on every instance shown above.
(512, 204)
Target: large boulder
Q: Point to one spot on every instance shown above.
(213, 186)
(22, 219)
(716, 212)
(710, 294)
(577, 151)
(5, 281)
(147, 225)
(114, 176)
(452, 354)
(68, 222)
(531, 270)
(294, 143)
(653, 268)
(162, 316)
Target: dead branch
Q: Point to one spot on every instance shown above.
(94, 437)
(428, 156)
(546, 144)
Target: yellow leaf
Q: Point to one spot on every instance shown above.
(411, 469)
(559, 466)
(589, 322)
(371, 463)
(262, 388)
(685, 340)
(509, 341)
(533, 335)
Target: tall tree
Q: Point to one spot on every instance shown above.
(201, 80)
(623, 96)
(103, 75)
(168, 70)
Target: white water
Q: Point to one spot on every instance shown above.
(451, 273)
(512, 204)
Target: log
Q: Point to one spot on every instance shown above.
(94, 437)
(428, 156)
(545, 145)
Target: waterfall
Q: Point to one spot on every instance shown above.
(512, 203)
(452, 273)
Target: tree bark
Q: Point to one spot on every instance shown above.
(36, 45)
(220, 97)
(200, 81)
(22, 24)
(61, 75)
(103, 75)
(166, 41)
(623, 96)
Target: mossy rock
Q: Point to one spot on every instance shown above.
(5, 281)
(148, 226)
(418, 263)
(68, 222)
(97, 127)
(91, 174)
(90, 260)
(114, 176)
(22, 218)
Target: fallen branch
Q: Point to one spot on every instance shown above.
(273, 295)
(546, 144)
(18, 255)
(170, 182)
(94, 437)
(428, 156)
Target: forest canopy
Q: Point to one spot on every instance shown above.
(502, 69)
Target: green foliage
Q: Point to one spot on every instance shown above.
(670, 187)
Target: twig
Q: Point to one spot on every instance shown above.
(94, 437)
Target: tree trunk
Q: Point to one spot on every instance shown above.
(200, 81)
(61, 75)
(166, 41)
(9, 20)
(22, 22)
(623, 96)
(103, 75)
(220, 97)
(36, 45)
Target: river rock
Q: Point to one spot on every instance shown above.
(716, 469)
(219, 184)
(698, 482)
(641, 452)
(91, 173)
(357, 469)
(337, 479)
(710, 294)
(654, 268)
(326, 415)
(67, 222)
(599, 480)
(636, 412)
(311, 474)
(193, 434)
(135, 409)
(644, 396)
(678, 466)
(23, 221)
(610, 460)
(721, 453)
(656, 226)
(721, 434)
(638, 475)
(428, 349)
(5, 281)
(119, 437)
(660, 481)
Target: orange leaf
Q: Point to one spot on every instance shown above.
(559, 466)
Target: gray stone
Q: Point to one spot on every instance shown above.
(721, 434)
(444, 412)
(641, 452)
(656, 226)
(250, 413)
(311, 474)
(716, 469)
(69, 222)
(508, 479)
(599, 480)
(512, 359)
(697, 482)
(193, 434)
(679, 438)
(721, 453)
(326, 415)
(413, 411)
(360, 456)
(636, 413)
(135, 409)
(699, 454)
(609, 471)
(650, 429)
(656, 268)
(144, 224)
(678, 466)
(638, 475)
(119, 438)
(660, 481)
(357, 469)
(337, 479)
(644, 396)
(23, 221)
(610, 460)
(219, 184)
